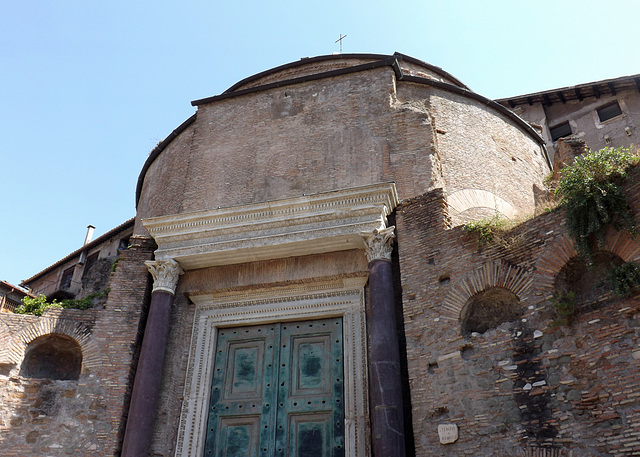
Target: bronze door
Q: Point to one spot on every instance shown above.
(277, 390)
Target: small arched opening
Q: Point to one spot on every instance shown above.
(586, 281)
(52, 356)
(489, 309)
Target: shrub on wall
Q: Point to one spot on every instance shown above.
(624, 279)
(486, 229)
(564, 303)
(37, 305)
(591, 191)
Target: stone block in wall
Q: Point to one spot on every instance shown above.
(568, 149)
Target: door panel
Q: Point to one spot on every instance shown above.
(310, 389)
(244, 370)
(239, 436)
(277, 390)
(243, 389)
(310, 359)
(310, 435)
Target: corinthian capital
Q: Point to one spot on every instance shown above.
(379, 243)
(165, 274)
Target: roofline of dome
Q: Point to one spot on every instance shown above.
(308, 60)
(389, 61)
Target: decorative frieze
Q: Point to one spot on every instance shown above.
(165, 274)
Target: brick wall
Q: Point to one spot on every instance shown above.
(526, 387)
(342, 132)
(83, 417)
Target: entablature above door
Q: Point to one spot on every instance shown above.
(309, 224)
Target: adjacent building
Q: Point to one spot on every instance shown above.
(602, 113)
(86, 270)
(11, 296)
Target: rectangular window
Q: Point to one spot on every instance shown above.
(91, 260)
(609, 111)
(560, 130)
(67, 277)
(124, 243)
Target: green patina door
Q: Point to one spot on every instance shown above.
(277, 390)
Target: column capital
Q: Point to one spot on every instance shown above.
(165, 274)
(379, 243)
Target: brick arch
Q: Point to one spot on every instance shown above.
(489, 309)
(621, 244)
(492, 274)
(563, 249)
(465, 199)
(551, 260)
(15, 349)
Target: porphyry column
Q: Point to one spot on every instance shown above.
(387, 420)
(146, 386)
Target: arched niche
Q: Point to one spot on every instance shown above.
(52, 356)
(586, 279)
(488, 309)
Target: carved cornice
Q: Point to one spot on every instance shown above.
(310, 224)
(379, 243)
(165, 274)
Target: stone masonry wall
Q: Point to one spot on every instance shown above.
(44, 416)
(83, 417)
(526, 387)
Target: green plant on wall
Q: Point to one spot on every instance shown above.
(37, 305)
(591, 191)
(623, 279)
(486, 229)
(495, 230)
(565, 305)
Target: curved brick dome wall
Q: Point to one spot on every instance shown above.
(343, 121)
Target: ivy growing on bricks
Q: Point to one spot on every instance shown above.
(590, 190)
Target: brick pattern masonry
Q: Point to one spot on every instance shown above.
(528, 387)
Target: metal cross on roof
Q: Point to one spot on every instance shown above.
(340, 40)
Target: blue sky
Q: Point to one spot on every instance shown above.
(87, 89)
